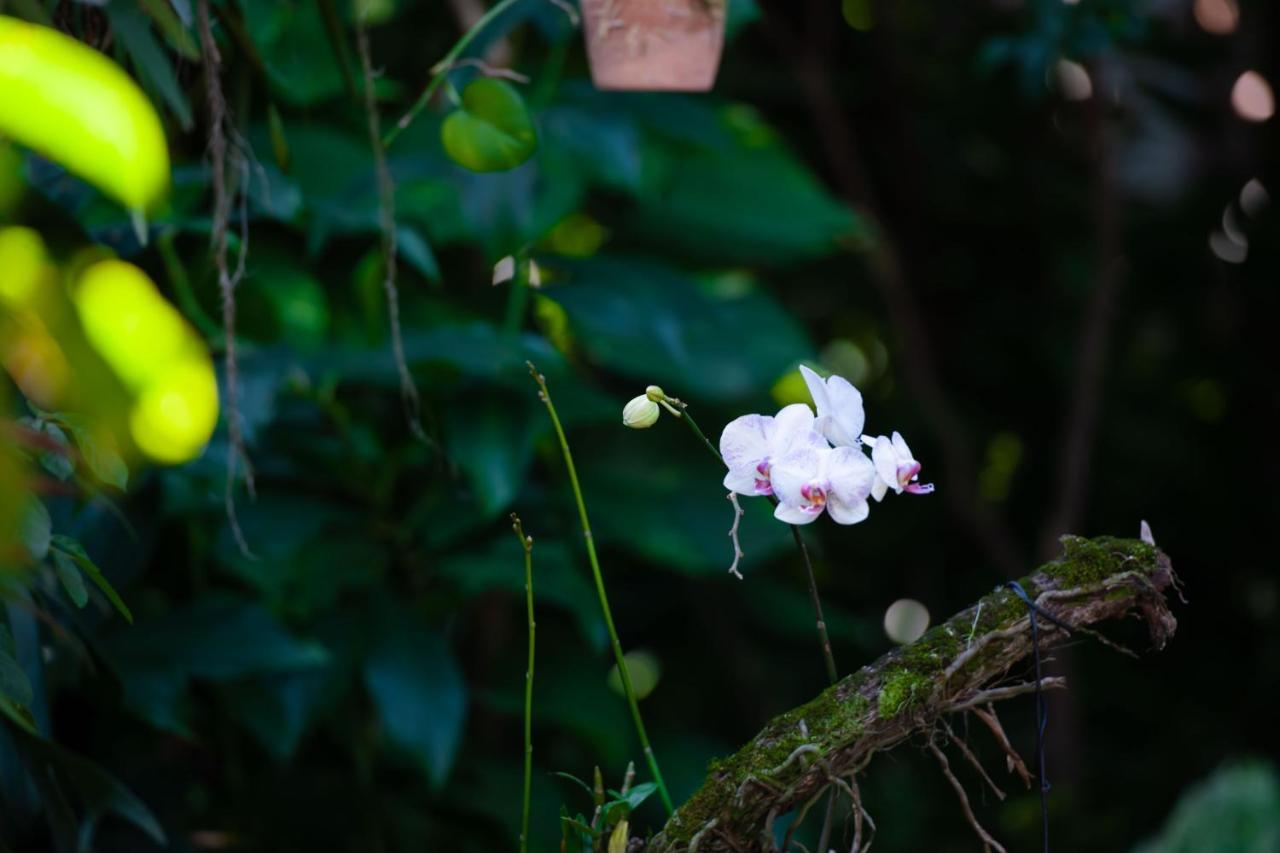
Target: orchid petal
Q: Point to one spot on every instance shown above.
(817, 390)
(900, 445)
(793, 471)
(879, 489)
(790, 425)
(847, 512)
(792, 514)
(886, 462)
(745, 480)
(851, 474)
(745, 441)
(844, 428)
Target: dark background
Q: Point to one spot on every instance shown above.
(1022, 283)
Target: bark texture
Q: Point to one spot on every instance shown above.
(960, 664)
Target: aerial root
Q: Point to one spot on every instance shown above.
(996, 694)
(1015, 762)
(973, 760)
(988, 842)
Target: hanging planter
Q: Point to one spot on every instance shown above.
(654, 45)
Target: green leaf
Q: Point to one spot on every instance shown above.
(95, 790)
(418, 690)
(621, 807)
(70, 577)
(164, 16)
(492, 130)
(1237, 809)
(149, 58)
(56, 462)
(702, 339)
(748, 202)
(491, 441)
(71, 548)
(219, 637)
(296, 50)
(14, 684)
(35, 528)
(583, 785)
(98, 448)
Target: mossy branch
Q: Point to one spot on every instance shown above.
(910, 690)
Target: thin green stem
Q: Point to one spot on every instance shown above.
(693, 425)
(627, 688)
(526, 542)
(441, 69)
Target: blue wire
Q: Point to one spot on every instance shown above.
(1042, 716)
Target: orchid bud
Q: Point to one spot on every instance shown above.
(640, 413)
(656, 394)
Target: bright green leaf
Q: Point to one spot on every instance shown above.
(492, 130)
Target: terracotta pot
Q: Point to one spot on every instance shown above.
(655, 45)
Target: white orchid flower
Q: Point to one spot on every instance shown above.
(895, 467)
(809, 480)
(751, 443)
(839, 405)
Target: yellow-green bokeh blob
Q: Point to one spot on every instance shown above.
(174, 416)
(157, 356)
(77, 107)
(22, 265)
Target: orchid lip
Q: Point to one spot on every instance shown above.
(907, 473)
(920, 488)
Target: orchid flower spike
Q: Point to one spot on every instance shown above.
(839, 405)
(895, 467)
(808, 480)
(751, 443)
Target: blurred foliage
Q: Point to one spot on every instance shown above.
(1235, 810)
(356, 682)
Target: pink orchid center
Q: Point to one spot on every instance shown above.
(764, 486)
(815, 495)
(907, 472)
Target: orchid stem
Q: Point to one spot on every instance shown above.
(827, 655)
(627, 688)
(693, 425)
(440, 71)
(526, 542)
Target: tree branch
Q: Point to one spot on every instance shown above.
(909, 690)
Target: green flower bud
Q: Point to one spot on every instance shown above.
(640, 413)
(656, 394)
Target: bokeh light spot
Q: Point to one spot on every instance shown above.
(1219, 17)
(1252, 98)
(906, 620)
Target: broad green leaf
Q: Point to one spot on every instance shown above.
(561, 578)
(490, 439)
(219, 637)
(68, 547)
(1235, 810)
(70, 578)
(701, 339)
(491, 131)
(35, 528)
(418, 691)
(295, 49)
